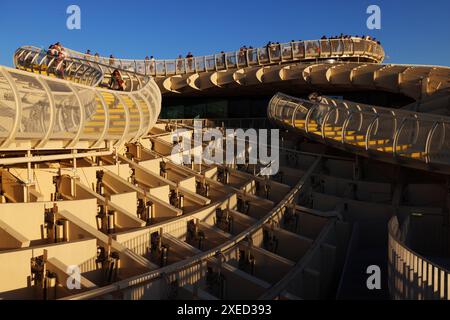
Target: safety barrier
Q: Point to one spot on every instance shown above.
(39, 112)
(355, 48)
(395, 133)
(412, 276)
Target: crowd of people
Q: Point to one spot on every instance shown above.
(57, 52)
(346, 36)
(89, 56)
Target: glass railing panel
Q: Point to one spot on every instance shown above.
(128, 65)
(275, 52)
(383, 131)
(273, 105)
(231, 60)
(356, 107)
(135, 118)
(335, 120)
(141, 66)
(440, 144)
(379, 51)
(94, 113)
(312, 49)
(220, 61)
(325, 48)
(113, 63)
(263, 55)
(181, 66)
(413, 138)
(35, 119)
(298, 50)
(160, 68)
(357, 129)
(190, 66)
(287, 113)
(210, 63)
(7, 109)
(368, 47)
(149, 95)
(71, 70)
(348, 46)
(145, 112)
(117, 115)
(242, 58)
(337, 46)
(286, 51)
(278, 110)
(67, 108)
(252, 56)
(317, 117)
(40, 58)
(200, 64)
(170, 67)
(358, 46)
(106, 61)
(27, 59)
(299, 116)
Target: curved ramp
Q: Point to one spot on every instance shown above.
(403, 137)
(38, 111)
(351, 49)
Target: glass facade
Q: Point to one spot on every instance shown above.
(214, 108)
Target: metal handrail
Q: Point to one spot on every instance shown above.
(419, 146)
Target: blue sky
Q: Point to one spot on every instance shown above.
(412, 31)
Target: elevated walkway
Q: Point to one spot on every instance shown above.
(39, 111)
(351, 49)
(397, 136)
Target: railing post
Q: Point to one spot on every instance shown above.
(428, 142)
(345, 125)
(308, 118)
(396, 138)
(52, 111)
(369, 131)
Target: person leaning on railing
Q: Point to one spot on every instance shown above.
(220, 60)
(60, 63)
(321, 108)
(88, 54)
(146, 62)
(54, 49)
(250, 54)
(243, 55)
(190, 58)
(152, 64)
(57, 52)
(112, 60)
(117, 82)
(180, 63)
